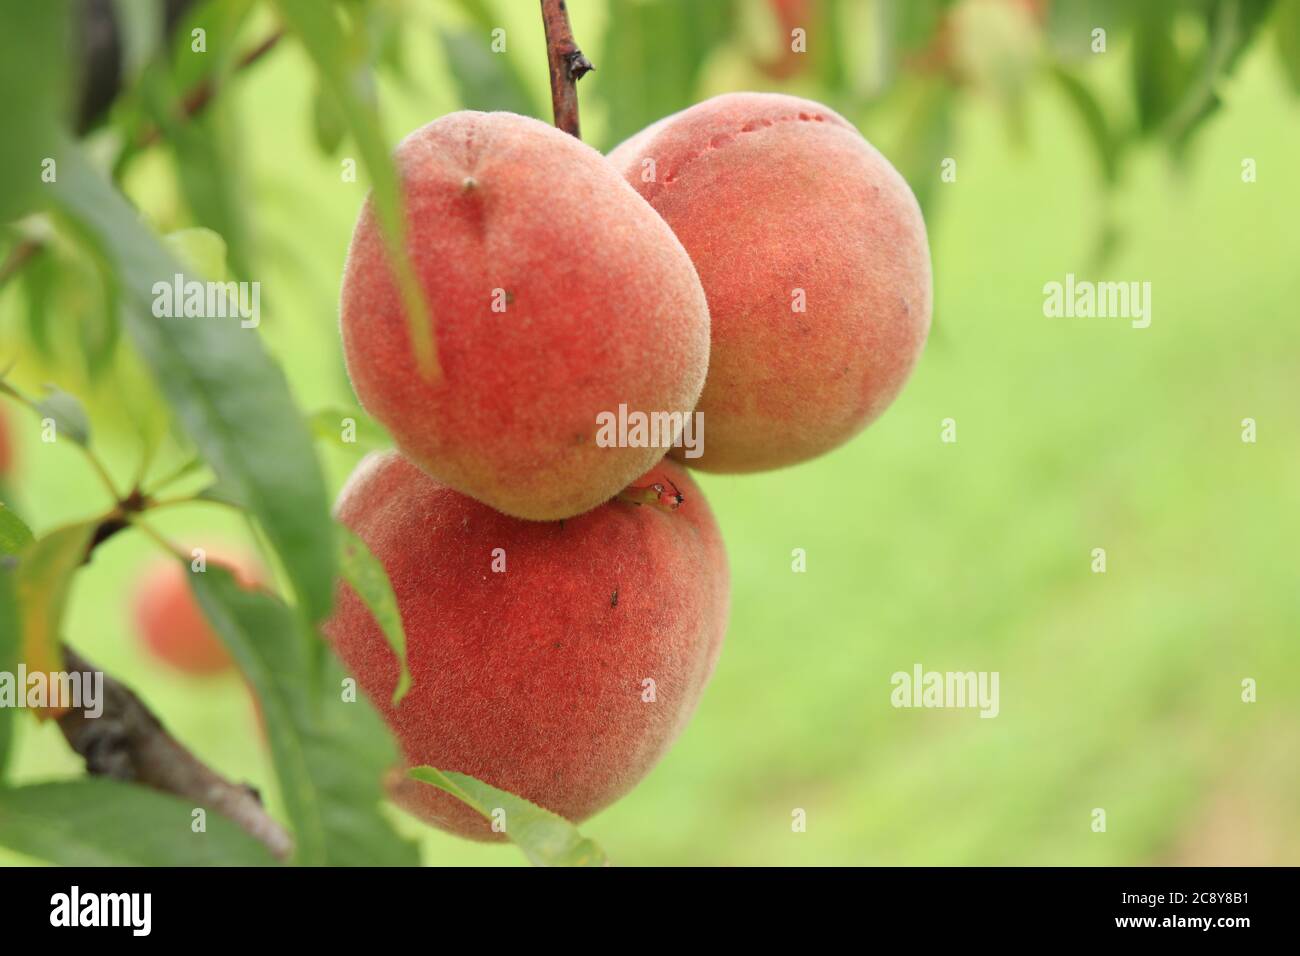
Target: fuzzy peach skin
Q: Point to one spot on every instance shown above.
(533, 679)
(602, 307)
(771, 194)
(170, 622)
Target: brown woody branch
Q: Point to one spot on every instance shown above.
(568, 65)
(127, 742)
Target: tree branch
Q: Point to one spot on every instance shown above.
(127, 742)
(568, 65)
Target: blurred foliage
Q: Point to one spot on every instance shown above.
(129, 157)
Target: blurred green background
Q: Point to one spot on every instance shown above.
(1120, 690)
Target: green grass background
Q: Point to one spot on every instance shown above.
(1119, 691)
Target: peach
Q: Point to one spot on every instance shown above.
(812, 253)
(555, 660)
(555, 295)
(170, 622)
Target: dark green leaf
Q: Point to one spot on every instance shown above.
(101, 822)
(330, 754)
(545, 838)
(231, 398)
(1089, 110)
(367, 576)
(1160, 72)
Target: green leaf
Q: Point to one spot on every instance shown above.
(545, 838)
(46, 567)
(14, 533)
(1089, 110)
(367, 576)
(10, 629)
(1160, 73)
(327, 123)
(36, 74)
(101, 822)
(344, 75)
(330, 754)
(231, 398)
(69, 416)
(1230, 25)
(331, 425)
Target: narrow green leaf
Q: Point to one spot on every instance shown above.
(367, 576)
(1089, 110)
(101, 822)
(46, 567)
(545, 838)
(344, 75)
(69, 415)
(330, 754)
(229, 395)
(1161, 74)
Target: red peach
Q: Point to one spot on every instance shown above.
(171, 623)
(556, 295)
(812, 252)
(561, 675)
